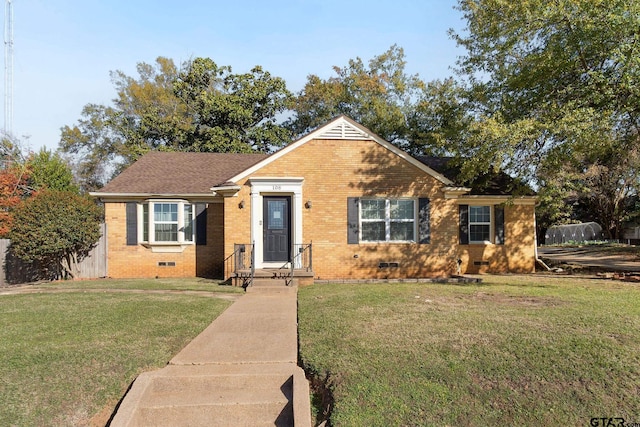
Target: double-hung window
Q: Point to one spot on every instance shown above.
(166, 222)
(482, 224)
(479, 224)
(387, 220)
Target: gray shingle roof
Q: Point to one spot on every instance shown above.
(179, 173)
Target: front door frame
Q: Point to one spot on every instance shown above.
(280, 229)
(274, 186)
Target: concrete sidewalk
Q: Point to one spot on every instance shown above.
(240, 371)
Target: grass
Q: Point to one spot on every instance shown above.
(64, 356)
(194, 284)
(513, 350)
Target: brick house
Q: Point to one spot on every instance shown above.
(341, 202)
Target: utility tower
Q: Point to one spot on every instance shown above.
(8, 67)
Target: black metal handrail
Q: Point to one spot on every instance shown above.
(242, 258)
(302, 256)
(253, 263)
(301, 259)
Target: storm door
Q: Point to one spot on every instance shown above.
(277, 228)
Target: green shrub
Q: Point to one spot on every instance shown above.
(55, 230)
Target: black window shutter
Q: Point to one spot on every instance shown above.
(424, 216)
(498, 212)
(201, 224)
(464, 224)
(132, 223)
(353, 220)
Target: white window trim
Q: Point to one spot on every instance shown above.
(165, 246)
(387, 220)
(491, 225)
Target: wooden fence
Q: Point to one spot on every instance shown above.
(94, 266)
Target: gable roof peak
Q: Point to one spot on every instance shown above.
(343, 128)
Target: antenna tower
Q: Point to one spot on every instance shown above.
(8, 67)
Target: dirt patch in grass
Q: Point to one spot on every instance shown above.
(488, 297)
(517, 300)
(102, 418)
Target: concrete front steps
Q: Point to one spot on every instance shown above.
(273, 285)
(240, 371)
(218, 395)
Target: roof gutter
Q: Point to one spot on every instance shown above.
(138, 196)
(489, 198)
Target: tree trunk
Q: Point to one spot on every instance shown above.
(70, 265)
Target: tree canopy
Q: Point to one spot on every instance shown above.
(49, 170)
(547, 91)
(199, 106)
(549, 80)
(14, 181)
(380, 96)
(14, 189)
(23, 173)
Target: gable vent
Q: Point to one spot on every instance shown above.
(343, 130)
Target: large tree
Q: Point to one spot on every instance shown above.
(231, 112)
(550, 87)
(49, 170)
(14, 181)
(198, 107)
(379, 95)
(14, 189)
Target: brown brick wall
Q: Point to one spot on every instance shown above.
(237, 225)
(140, 262)
(334, 170)
(210, 258)
(517, 255)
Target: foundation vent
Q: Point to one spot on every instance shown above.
(166, 263)
(388, 265)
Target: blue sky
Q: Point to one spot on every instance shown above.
(64, 49)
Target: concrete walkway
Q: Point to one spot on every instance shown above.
(240, 371)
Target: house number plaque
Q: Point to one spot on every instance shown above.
(277, 187)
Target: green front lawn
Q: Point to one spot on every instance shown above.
(65, 356)
(193, 284)
(513, 350)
